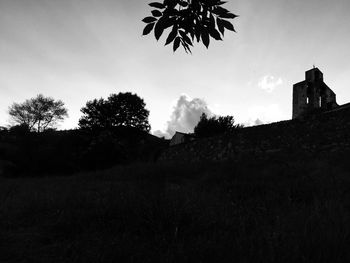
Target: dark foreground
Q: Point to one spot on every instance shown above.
(271, 211)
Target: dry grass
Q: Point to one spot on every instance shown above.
(212, 212)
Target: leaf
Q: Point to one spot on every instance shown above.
(221, 2)
(156, 13)
(185, 38)
(214, 34)
(188, 40)
(149, 19)
(170, 3)
(220, 11)
(186, 24)
(192, 34)
(176, 43)
(157, 5)
(228, 15)
(210, 2)
(197, 32)
(182, 33)
(168, 22)
(171, 12)
(205, 38)
(158, 29)
(148, 29)
(212, 21)
(186, 46)
(171, 36)
(220, 26)
(183, 4)
(228, 25)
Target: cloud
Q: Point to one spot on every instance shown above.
(160, 134)
(185, 116)
(258, 122)
(257, 115)
(269, 83)
(186, 113)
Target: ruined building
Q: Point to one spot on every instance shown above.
(180, 137)
(312, 94)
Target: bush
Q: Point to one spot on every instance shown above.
(20, 129)
(207, 127)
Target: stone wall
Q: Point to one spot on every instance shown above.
(320, 134)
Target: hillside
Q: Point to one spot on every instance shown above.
(320, 134)
(253, 211)
(271, 193)
(57, 152)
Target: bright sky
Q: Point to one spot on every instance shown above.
(78, 50)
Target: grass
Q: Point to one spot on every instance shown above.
(255, 211)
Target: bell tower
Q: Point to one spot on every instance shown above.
(312, 94)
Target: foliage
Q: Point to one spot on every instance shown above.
(189, 20)
(38, 113)
(207, 127)
(119, 110)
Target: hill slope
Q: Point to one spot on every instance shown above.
(320, 134)
(74, 150)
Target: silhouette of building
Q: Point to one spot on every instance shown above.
(180, 137)
(312, 94)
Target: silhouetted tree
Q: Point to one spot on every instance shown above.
(189, 19)
(207, 127)
(119, 110)
(38, 113)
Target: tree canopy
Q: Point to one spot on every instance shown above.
(207, 127)
(189, 20)
(118, 110)
(39, 113)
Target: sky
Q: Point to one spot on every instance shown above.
(79, 50)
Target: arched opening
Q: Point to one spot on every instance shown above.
(308, 93)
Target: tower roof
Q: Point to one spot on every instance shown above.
(314, 69)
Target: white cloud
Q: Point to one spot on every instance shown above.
(257, 115)
(185, 116)
(186, 113)
(258, 122)
(269, 83)
(161, 134)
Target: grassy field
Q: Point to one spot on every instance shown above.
(271, 211)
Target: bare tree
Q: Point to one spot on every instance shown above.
(38, 113)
